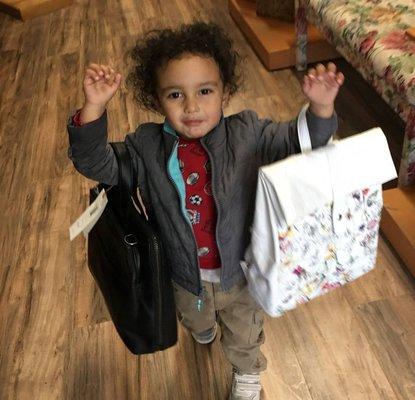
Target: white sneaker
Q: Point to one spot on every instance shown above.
(206, 337)
(245, 387)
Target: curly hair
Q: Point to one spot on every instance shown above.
(158, 47)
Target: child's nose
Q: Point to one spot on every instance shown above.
(191, 106)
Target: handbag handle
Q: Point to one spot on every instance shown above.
(125, 168)
(302, 129)
(125, 177)
(128, 186)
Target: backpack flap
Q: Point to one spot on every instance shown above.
(306, 182)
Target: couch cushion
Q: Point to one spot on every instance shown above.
(370, 34)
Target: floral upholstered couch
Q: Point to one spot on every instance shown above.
(371, 35)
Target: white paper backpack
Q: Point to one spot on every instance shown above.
(316, 219)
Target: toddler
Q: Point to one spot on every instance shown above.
(197, 172)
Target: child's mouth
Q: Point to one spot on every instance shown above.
(192, 122)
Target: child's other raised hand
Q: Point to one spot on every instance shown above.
(100, 84)
(321, 85)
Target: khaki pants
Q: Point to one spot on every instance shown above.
(238, 315)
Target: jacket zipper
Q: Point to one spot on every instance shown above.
(217, 209)
(187, 220)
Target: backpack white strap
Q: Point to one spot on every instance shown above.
(302, 130)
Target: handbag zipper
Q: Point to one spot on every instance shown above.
(158, 268)
(156, 257)
(157, 247)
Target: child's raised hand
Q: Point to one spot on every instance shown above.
(321, 85)
(100, 84)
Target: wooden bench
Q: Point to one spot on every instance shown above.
(27, 9)
(398, 223)
(274, 40)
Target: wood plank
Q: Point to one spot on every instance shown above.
(391, 342)
(284, 378)
(34, 325)
(326, 332)
(210, 380)
(93, 354)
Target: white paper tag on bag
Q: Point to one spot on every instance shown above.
(89, 217)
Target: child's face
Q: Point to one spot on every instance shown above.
(191, 95)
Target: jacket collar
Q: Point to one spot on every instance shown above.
(167, 128)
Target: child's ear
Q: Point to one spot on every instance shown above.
(158, 107)
(226, 97)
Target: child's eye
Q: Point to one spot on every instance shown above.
(205, 91)
(174, 95)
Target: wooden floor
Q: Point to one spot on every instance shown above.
(56, 341)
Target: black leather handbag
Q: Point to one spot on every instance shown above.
(126, 260)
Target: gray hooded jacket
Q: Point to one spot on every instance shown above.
(237, 147)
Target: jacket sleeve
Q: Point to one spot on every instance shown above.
(91, 154)
(278, 140)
